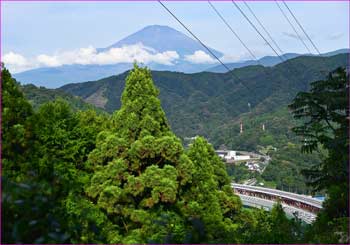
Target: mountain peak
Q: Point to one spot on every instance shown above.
(162, 38)
(158, 27)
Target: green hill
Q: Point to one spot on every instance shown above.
(40, 95)
(214, 104)
(203, 102)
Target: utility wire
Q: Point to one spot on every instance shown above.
(302, 28)
(289, 67)
(193, 35)
(262, 26)
(296, 20)
(237, 36)
(256, 29)
(233, 32)
(291, 24)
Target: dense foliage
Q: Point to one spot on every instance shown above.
(213, 105)
(324, 112)
(72, 176)
(43, 157)
(208, 103)
(40, 95)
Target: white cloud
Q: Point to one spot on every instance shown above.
(14, 59)
(46, 60)
(237, 57)
(200, 57)
(16, 62)
(90, 56)
(125, 54)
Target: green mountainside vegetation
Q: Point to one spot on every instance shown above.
(197, 104)
(40, 95)
(213, 105)
(78, 176)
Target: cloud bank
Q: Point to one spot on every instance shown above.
(90, 56)
(16, 61)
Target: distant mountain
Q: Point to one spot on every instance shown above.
(161, 39)
(156, 38)
(270, 60)
(339, 51)
(53, 77)
(203, 103)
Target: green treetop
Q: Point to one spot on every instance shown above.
(140, 113)
(210, 200)
(140, 166)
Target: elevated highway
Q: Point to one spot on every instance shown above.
(304, 207)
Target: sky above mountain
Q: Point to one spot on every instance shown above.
(59, 33)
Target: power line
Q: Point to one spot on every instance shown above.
(233, 32)
(301, 27)
(256, 29)
(237, 36)
(291, 24)
(193, 35)
(289, 67)
(262, 26)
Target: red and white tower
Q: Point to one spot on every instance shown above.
(241, 127)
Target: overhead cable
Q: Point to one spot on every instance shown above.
(262, 26)
(302, 28)
(194, 36)
(256, 29)
(291, 24)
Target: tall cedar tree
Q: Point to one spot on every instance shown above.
(145, 181)
(140, 167)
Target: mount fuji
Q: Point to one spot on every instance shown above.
(156, 40)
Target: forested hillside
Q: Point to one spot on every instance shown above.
(40, 95)
(81, 177)
(213, 105)
(200, 103)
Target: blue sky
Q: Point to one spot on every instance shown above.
(30, 29)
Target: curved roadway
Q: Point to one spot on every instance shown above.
(303, 207)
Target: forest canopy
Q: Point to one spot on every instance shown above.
(81, 176)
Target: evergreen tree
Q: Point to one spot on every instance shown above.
(140, 168)
(17, 128)
(27, 210)
(43, 157)
(210, 200)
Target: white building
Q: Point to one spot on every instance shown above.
(231, 156)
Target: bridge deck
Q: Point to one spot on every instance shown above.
(307, 217)
(296, 197)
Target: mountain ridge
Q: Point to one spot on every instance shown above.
(194, 103)
(154, 39)
(159, 38)
(271, 60)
